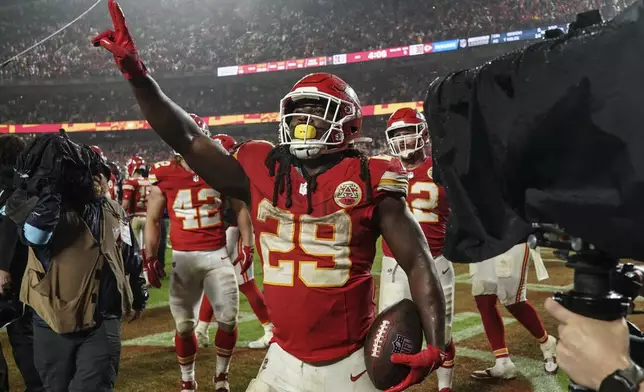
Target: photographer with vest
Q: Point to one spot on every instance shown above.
(13, 261)
(84, 272)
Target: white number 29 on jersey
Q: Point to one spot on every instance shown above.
(208, 215)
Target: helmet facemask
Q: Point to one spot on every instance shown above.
(307, 141)
(405, 139)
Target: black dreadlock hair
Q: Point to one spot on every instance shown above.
(282, 155)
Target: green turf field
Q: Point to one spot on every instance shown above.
(149, 363)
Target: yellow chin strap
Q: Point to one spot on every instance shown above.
(303, 131)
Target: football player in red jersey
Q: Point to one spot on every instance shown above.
(503, 279)
(112, 182)
(200, 263)
(239, 243)
(136, 189)
(318, 207)
(408, 138)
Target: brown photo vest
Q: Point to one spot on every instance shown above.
(66, 295)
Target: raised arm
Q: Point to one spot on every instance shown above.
(167, 119)
(409, 247)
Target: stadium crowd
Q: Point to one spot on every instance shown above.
(205, 35)
(257, 95)
(210, 34)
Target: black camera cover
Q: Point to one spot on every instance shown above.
(552, 133)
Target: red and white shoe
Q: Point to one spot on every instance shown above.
(188, 386)
(221, 382)
(446, 390)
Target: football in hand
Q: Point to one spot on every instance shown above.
(396, 330)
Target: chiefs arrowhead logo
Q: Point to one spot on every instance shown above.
(348, 194)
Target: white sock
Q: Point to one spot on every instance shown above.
(188, 372)
(268, 327)
(444, 377)
(222, 365)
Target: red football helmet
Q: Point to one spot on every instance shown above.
(201, 123)
(227, 141)
(342, 111)
(135, 163)
(404, 144)
(98, 150)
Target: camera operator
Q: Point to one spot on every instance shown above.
(84, 271)
(595, 353)
(12, 267)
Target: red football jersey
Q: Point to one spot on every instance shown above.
(318, 285)
(193, 206)
(111, 187)
(137, 189)
(428, 203)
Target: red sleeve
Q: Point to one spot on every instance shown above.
(251, 153)
(156, 172)
(129, 189)
(388, 176)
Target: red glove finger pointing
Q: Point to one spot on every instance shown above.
(121, 45)
(118, 18)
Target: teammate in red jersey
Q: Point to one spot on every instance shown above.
(136, 189)
(408, 138)
(318, 208)
(200, 263)
(112, 182)
(503, 279)
(239, 243)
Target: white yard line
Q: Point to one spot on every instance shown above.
(165, 339)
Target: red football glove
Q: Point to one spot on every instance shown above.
(154, 270)
(120, 43)
(245, 257)
(421, 365)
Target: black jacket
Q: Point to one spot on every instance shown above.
(13, 257)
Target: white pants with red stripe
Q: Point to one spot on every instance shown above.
(194, 273)
(233, 246)
(282, 372)
(504, 275)
(394, 286)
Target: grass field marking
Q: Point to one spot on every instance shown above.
(473, 327)
(158, 305)
(468, 325)
(165, 339)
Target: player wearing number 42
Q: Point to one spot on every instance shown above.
(318, 207)
(200, 262)
(408, 138)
